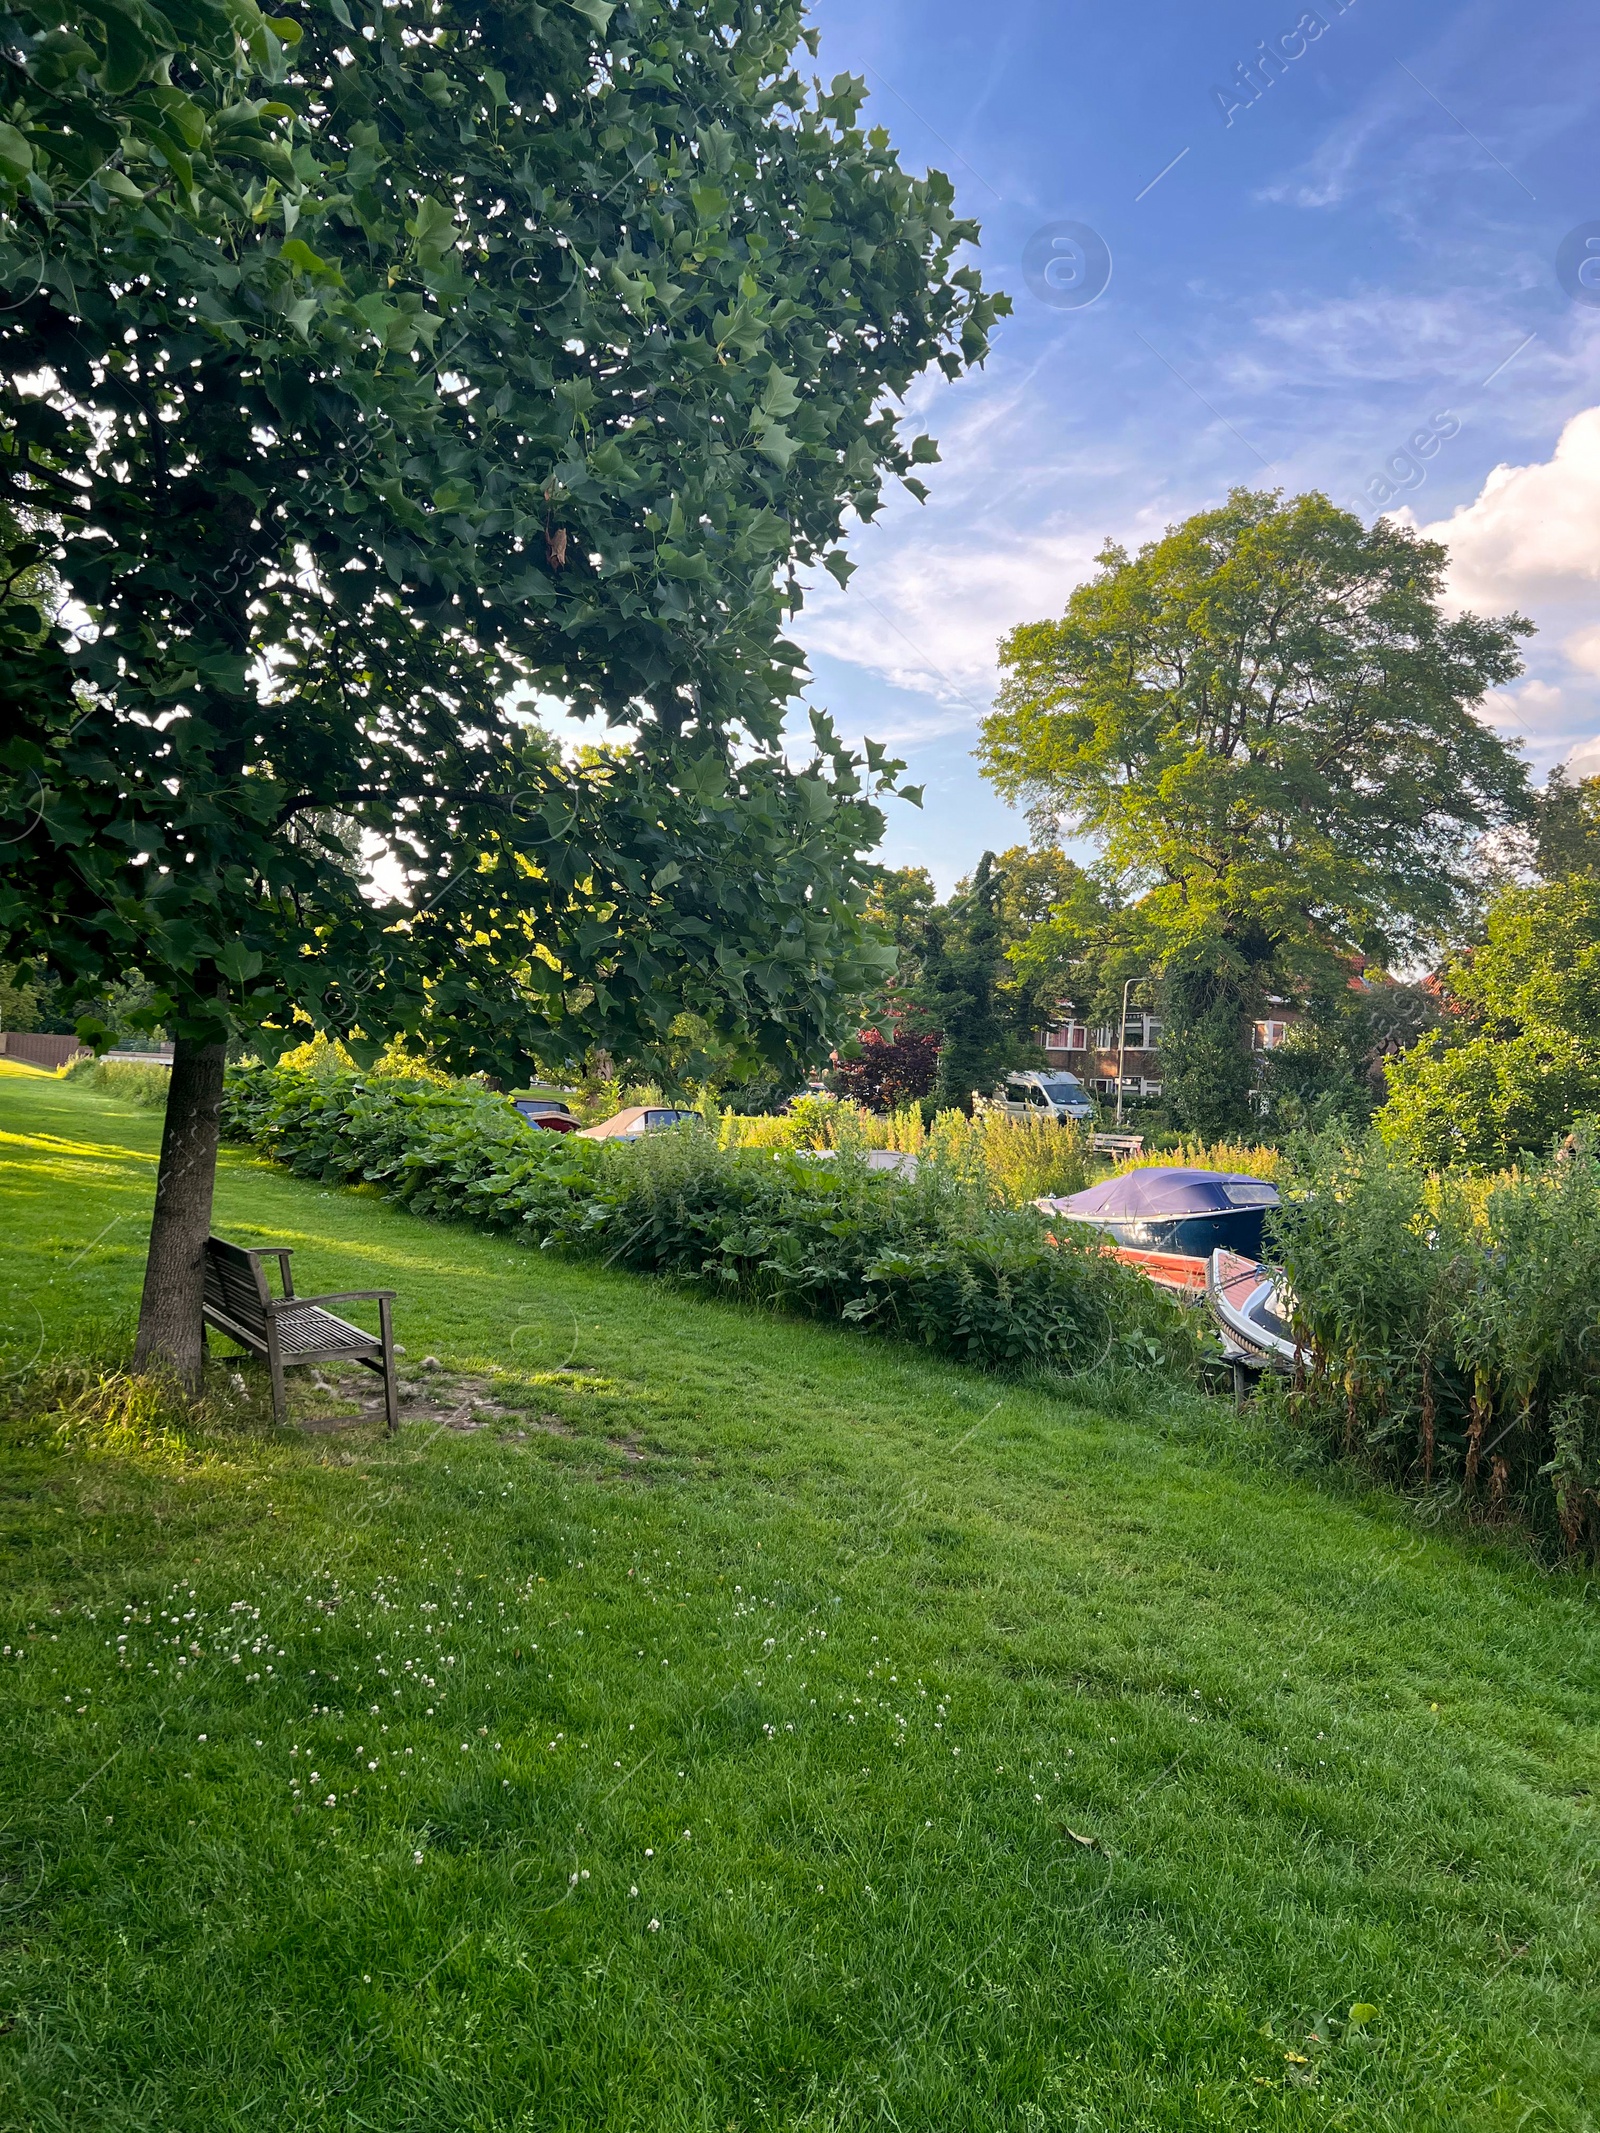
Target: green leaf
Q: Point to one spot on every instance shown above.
(775, 443)
(1361, 2014)
(779, 396)
(129, 51)
(433, 230)
(599, 12)
(16, 157)
(838, 565)
(608, 463)
(285, 29)
(300, 256)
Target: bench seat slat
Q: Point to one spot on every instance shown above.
(315, 1334)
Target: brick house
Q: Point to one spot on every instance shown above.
(1091, 1052)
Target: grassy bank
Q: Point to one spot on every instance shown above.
(740, 1724)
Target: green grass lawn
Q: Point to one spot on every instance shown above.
(756, 1726)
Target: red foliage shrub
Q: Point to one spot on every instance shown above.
(889, 1072)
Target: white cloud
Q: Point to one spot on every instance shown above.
(928, 616)
(1537, 711)
(1531, 537)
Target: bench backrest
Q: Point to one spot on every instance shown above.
(236, 1284)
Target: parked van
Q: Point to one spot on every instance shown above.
(1051, 1093)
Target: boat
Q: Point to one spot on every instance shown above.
(1254, 1311)
(1166, 1222)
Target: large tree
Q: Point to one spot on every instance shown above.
(362, 369)
(1270, 727)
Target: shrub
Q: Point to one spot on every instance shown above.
(1453, 1325)
(1491, 1099)
(1519, 1063)
(937, 1258)
(135, 1081)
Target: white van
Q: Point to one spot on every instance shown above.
(1051, 1093)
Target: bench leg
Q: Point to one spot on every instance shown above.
(280, 1398)
(391, 1397)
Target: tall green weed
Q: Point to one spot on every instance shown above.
(1453, 1325)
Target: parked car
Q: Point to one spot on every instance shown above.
(638, 1120)
(547, 1112)
(1051, 1093)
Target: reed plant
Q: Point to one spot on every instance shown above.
(1452, 1325)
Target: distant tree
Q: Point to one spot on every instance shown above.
(1268, 726)
(1518, 1063)
(1567, 826)
(966, 983)
(1207, 1072)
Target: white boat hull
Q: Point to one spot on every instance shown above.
(1254, 1312)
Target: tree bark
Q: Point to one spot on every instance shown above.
(170, 1324)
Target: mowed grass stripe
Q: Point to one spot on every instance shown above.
(979, 1758)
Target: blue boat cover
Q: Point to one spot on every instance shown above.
(1140, 1194)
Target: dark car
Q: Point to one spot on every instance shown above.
(547, 1112)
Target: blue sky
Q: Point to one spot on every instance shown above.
(1366, 251)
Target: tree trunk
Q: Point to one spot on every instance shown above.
(174, 1276)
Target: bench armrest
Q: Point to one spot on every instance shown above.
(302, 1303)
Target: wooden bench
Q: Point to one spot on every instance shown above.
(290, 1328)
(1116, 1143)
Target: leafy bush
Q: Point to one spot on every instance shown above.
(1454, 1325)
(1489, 1100)
(133, 1080)
(936, 1258)
(1519, 1063)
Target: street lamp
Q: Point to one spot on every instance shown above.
(1122, 1036)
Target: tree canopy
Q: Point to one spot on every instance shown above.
(1518, 1061)
(1269, 726)
(364, 367)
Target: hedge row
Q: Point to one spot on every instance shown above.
(929, 1259)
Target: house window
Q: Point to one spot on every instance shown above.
(1069, 1037)
(1267, 1036)
(1105, 1040)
